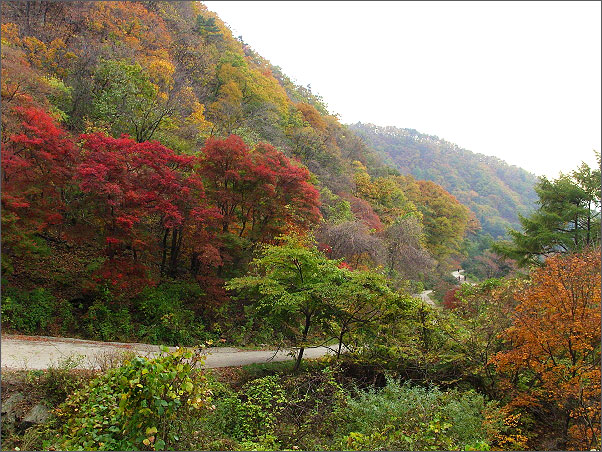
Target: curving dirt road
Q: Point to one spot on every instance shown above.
(41, 352)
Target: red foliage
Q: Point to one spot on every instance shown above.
(325, 248)
(345, 265)
(123, 276)
(37, 166)
(363, 211)
(260, 193)
(450, 300)
(131, 183)
(144, 203)
(224, 164)
(291, 203)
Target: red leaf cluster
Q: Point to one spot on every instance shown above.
(152, 211)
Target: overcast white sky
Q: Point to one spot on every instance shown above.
(518, 80)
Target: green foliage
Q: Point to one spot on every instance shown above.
(567, 220)
(385, 194)
(252, 415)
(136, 406)
(28, 312)
(403, 417)
(107, 324)
(259, 370)
(306, 421)
(172, 71)
(291, 284)
(106, 320)
(126, 100)
(361, 303)
(61, 97)
(206, 26)
(59, 380)
(334, 209)
(275, 412)
(66, 317)
(410, 340)
(165, 318)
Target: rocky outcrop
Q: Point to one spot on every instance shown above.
(16, 414)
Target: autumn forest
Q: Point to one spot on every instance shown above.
(163, 183)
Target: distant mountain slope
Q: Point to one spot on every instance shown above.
(494, 190)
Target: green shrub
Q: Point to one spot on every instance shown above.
(66, 317)
(58, 381)
(143, 404)
(402, 417)
(306, 419)
(108, 324)
(29, 312)
(251, 415)
(164, 317)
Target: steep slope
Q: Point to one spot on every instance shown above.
(494, 190)
(199, 107)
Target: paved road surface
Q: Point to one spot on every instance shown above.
(457, 274)
(40, 352)
(33, 352)
(424, 296)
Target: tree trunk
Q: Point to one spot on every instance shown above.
(175, 248)
(164, 251)
(304, 337)
(565, 433)
(343, 331)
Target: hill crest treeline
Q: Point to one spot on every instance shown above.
(494, 190)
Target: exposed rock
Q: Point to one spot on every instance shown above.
(12, 410)
(37, 415)
(9, 405)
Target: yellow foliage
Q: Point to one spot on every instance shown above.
(160, 71)
(197, 117)
(556, 333)
(231, 92)
(312, 116)
(10, 34)
(41, 54)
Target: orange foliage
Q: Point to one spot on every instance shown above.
(141, 29)
(554, 361)
(312, 116)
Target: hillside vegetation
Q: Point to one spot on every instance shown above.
(162, 182)
(495, 191)
(223, 153)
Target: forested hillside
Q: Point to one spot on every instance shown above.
(164, 183)
(494, 190)
(223, 153)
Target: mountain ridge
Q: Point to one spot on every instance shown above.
(496, 191)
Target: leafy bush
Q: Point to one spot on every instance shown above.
(59, 380)
(28, 312)
(251, 415)
(140, 405)
(108, 324)
(306, 419)
(402, 417)
(66, 317)
(274, 412)
(166, 319)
